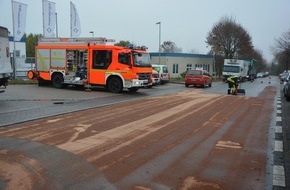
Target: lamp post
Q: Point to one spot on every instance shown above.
(159, 23)
(214, 66)
(93, 34)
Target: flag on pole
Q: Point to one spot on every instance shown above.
(75, 25)
(49, 18)
(19, 19)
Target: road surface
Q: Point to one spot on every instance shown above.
(185, 140)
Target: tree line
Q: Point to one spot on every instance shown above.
(281, 51)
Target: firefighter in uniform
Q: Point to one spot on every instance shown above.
(233, 85)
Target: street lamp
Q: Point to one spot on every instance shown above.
(92, 32)
(214, 66)
(159, 23)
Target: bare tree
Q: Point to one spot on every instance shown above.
(281, 49)
(170, 47)
(261, 62)
(282, 44)
(229, 39)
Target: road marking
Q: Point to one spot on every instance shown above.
(278, 118)
(278, 129)
(278, 146)
(278, 176)
(278, 170)
(228, 144)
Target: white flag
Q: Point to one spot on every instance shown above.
(49, 18)
(19, 19)
(75, 25)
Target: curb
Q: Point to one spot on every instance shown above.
(278, 167)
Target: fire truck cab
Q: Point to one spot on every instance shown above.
(91, 62)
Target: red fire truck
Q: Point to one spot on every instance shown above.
(91, 62)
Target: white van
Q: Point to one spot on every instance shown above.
(155, 77)
(163, 73)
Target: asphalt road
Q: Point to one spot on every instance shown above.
(169, 137)
(28, 102)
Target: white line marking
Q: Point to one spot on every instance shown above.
(278, 129)
(278, 176)
(278, 146)
(278, 118)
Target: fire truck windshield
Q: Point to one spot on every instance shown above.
(141, 59)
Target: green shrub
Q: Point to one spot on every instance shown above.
(183, 74)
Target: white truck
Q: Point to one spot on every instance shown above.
(245, 69)
(5, 64)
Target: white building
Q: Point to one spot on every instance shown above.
(20, 47)
(180, 62)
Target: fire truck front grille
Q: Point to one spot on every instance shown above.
(144, 76)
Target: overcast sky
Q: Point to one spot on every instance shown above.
(185, 22)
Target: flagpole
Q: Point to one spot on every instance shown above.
(70, 19)
(43, 27)
(56, 28)
(14, 65)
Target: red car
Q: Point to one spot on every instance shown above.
(198, 77)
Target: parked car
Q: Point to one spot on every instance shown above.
(163, 73)
(260, 75)
(197, 77)
(266, 74)
(283, 76)
(286, 88)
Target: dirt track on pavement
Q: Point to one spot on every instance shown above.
(187, 140)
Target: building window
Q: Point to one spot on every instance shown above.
(17, 53)
(206, 67)
(188, 66)
(175, 68)
(198, 66)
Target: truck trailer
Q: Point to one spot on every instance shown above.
(91, 62)
(5, 64)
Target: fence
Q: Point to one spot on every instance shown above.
(22, 66)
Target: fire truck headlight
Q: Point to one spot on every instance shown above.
(136, 82)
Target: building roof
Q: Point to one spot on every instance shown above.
(190, 55)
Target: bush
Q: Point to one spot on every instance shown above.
(183, 74)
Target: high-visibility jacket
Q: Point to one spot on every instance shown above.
(233, 79)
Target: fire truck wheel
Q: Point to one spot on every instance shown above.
(57, 80)
(115, 85)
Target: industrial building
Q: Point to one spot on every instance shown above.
(180, 62)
